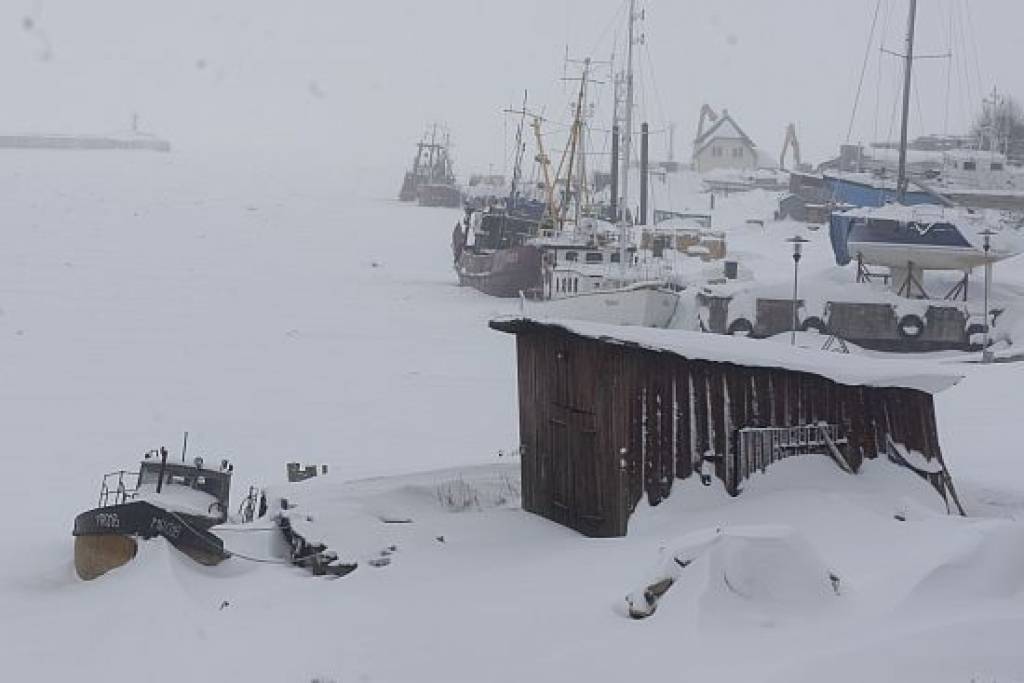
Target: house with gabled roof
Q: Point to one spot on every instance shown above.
(724, 146)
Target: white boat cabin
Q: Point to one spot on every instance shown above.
(976, 169)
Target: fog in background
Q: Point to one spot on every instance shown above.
(354, 84)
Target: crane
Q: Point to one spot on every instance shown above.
(790, 142)
(706, 114)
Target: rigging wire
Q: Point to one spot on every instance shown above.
(949, 76)
(863, 69)
(974, 43)
(880, 74)
(615, 21)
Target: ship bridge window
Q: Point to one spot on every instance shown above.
(572, 256)
(996, 166)
(595, 257)
(970, 165)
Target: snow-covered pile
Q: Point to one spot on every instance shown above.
(739, 574)
(986, 567)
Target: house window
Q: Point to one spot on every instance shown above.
(716, 151)
(572, 256)
(970, 166)
(737, 152)
(996, 166)
(595, 257)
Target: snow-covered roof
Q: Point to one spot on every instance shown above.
(841, 368)
(725, 128)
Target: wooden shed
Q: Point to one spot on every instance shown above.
(610, 414)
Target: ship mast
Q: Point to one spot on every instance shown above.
(517, 168)
(901, 177)
(627, 142)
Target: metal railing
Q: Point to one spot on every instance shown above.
(115, 486)
(760, 447)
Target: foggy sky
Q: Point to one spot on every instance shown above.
(355, 83)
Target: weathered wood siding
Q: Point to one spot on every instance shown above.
(604, 424)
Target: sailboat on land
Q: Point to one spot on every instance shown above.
(912, 235)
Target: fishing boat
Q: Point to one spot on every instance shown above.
(178, 501)
(591, 268)
(500, 261)
(495, 249)
(639, 304)
(431, 181)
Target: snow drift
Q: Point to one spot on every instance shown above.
(747, 572)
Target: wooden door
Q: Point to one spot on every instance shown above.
(578, 477)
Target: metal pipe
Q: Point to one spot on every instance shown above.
(986, 355)
(615, 175)
(644, 132)
(163, 466)
(796, 320)
(798, 242)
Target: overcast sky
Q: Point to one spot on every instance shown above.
(359, 81)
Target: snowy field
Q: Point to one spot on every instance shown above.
(280, 313)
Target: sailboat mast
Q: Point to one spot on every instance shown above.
(901, 178)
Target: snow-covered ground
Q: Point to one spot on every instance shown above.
(282, 311)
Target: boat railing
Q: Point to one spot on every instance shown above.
(119, 487)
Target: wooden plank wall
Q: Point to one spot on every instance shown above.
(656, 416)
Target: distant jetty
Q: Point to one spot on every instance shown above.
(84, 142)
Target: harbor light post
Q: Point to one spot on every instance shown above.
(986, 354)
(798, 243)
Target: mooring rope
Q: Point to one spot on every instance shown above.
(221, 548)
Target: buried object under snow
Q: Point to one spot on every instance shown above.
(769, 570)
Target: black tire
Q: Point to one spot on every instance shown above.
(740, 327)
(813, 323)
(910, 326)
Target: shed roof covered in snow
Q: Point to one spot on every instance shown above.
(850, 370)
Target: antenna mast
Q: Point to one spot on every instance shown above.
(901, 178)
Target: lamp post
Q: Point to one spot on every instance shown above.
(798, 243)
(986, 355)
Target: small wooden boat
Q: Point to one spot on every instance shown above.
(176, 500)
